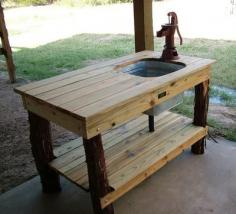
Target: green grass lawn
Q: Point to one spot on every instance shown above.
(80, 50)
(72, 53)
(217, 128)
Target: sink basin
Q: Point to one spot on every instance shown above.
(152, 67)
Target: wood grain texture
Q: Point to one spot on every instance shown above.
(118, 108)
(98, 182)
(132, 153)
(201, 103)
(128, 185)
(62, 118)
(143, 25)
(41, 144)
(100, 97)
(99, 66)
(71, 162)
(6, 48)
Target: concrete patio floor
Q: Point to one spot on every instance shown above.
(190, 184)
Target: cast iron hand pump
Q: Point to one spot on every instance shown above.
(168, 30)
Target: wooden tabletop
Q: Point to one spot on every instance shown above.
(99, 97)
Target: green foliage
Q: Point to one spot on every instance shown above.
(100, 2)
(231, 134)
(64, 2)
(70, 54)
(27, 2)
(226, 98)
(219, 129)
(223, 51)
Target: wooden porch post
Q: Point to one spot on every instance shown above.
(98, 182)
(143, 32)
(40, 138)
(143, 25)
(200, 113)
(6, 48)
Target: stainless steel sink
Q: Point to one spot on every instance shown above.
(152, 67)
(156, 68)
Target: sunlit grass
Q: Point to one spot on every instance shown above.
(72, 53)
(69, 54)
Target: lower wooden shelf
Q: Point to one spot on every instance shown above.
(132, 153)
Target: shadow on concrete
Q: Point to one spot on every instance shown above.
(190, 184)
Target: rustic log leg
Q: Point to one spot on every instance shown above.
(40, 138)
(98, 182)
(200, 113)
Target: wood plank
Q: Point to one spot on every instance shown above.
(71, 151)
(65, 89)
(130, 128)
(67, 120)
(61, 93)
(187, 60)
(130, 103)
(73, 162)
(101, 108)
(110, 138)
(156, 83)
(152, 154)
(114, 149)
(125, 153)
(73, 157)
(77, 169)
(84, 95)
(67, 147)
(68, 81)
(128, 185)
(120, 159)
(136, 157)
(100, 66)
(68, 158)
(121, 84)
(141, 130)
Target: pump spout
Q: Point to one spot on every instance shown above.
(163, 32)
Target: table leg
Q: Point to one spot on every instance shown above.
(200, 113)
(41, 144)
(98, 182)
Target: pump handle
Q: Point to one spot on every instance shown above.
(173, 19)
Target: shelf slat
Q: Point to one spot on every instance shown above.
(132, 153)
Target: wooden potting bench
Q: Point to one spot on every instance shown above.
(104, 106)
